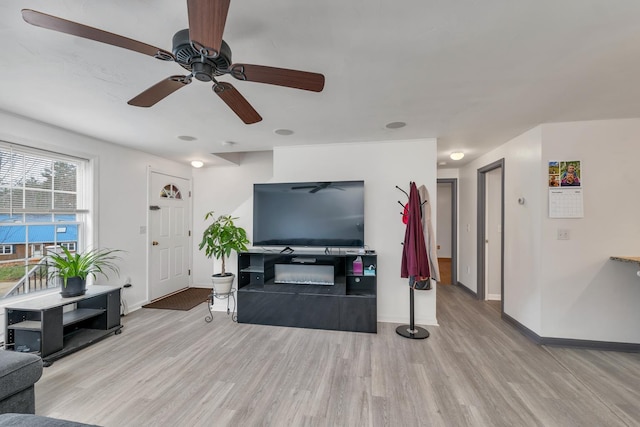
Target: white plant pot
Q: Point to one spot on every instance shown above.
(222, 284)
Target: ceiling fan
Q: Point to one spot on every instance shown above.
(319, 187)
(200, 50)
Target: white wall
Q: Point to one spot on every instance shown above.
(382, 165)
(522, 232)
(225, 190)
(566, 288)
(121, 188)
(229, 189)
(584, 294)
(448, 173)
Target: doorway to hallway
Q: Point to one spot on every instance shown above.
(447, 230)
(490, 242)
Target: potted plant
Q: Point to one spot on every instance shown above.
(219, 239)
(74, 268)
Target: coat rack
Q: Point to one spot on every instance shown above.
(411, 331)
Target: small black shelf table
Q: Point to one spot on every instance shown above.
(53, 327)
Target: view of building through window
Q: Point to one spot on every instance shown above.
(39, 212)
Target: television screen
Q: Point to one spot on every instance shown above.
(320, 214)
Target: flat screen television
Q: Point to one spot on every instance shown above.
(317, 214)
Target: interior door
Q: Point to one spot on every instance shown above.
(493, 234)
(169, 215)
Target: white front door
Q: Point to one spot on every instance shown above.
(169, 214)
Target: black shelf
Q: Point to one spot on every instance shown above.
(349, 304)
(79, 314)
(79, 339)
(45, 324)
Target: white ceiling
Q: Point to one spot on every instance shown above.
(472, 73)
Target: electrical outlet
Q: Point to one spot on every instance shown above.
(563, 234)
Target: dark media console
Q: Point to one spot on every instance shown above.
(316, 291)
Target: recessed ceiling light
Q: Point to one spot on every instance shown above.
(457, 155)
(395, 125)
(228, 143)
(442, 163)
(197, 163)
(284, 132)
(187, 138)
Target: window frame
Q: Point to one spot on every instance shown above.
(71, 246)
(84, 179)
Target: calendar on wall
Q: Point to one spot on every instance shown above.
(565, 189)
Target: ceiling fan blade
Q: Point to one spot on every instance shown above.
(206, 24)
(50, 22)
(320, 186)
(279, 76)
(159, 91)
(237, 102)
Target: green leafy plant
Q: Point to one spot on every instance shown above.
(83, 265)
(222, 237)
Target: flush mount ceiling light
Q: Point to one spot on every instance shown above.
(197, 163)
(395, 125)
(457, 155)
(284, 132)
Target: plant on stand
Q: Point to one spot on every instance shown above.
(219, 239)
(74, 268)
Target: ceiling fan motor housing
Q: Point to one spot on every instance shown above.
(203, 68)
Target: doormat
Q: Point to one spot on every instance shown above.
(184, 300)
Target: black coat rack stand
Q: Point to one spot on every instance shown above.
(411, 330)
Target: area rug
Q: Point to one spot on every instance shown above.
(184, 300)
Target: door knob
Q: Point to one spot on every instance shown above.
(154, 243)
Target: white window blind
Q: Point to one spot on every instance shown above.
(32, 182)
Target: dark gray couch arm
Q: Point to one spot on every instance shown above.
(28, 420)
(18, 374)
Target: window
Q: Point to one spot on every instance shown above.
(170, 191)
(71, 246)
(6, 249)
(41, 206)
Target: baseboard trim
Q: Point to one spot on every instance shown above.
(523, 329)
(592, 345)
(466, 289)
(569, 342)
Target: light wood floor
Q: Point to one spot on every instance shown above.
(170, 368)
(444, 265)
